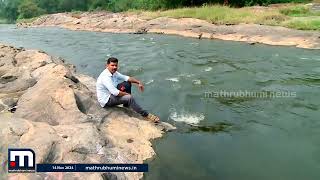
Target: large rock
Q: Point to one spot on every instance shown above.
(15, 77)
(55, 102)
(58, 116)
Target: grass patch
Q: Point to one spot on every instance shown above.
(295, 11)
(310, 23)
(295, 16)
(298, 11)
(217, 14)
(27, 20)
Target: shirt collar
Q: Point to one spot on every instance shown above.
(109, 73)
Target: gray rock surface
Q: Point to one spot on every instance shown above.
(59, 117)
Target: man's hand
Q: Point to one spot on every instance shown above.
(141, 87)
(139, 84)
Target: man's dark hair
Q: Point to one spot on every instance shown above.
(112, 59)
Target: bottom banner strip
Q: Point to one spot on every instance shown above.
(92, 168)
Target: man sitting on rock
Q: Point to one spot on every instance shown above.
(114, 88)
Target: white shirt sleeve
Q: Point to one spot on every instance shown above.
(107, 82)
(123, 77)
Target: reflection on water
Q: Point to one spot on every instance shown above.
(217, 127)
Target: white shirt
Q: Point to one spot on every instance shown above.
(106, 85)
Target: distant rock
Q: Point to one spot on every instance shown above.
(188, 27)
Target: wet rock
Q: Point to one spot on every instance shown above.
(142, 31)
(164, 126)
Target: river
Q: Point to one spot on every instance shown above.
(186, 84)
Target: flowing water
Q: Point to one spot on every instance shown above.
(219, 137)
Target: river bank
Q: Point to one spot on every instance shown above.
(48, 107)
(188, 27)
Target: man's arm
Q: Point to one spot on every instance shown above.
(113, 90)
(136, 81)
(132, 80)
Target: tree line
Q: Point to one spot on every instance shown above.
(15, 9)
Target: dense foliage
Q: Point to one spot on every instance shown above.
(13, 9)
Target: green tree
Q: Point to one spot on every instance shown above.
(98, 4)
(51, 6)
(120, 5)
(29, 9)
(10, 9)
(1, 9)
(69, 5)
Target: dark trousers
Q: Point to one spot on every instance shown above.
(127, 100)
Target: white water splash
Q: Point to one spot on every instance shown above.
(189, 118)
(196, 81)
(185, 75)
(193, 43)
(208, 69)
(174, 79)
(149, 82)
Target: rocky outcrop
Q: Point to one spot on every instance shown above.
(189, 27)
(54, 111)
